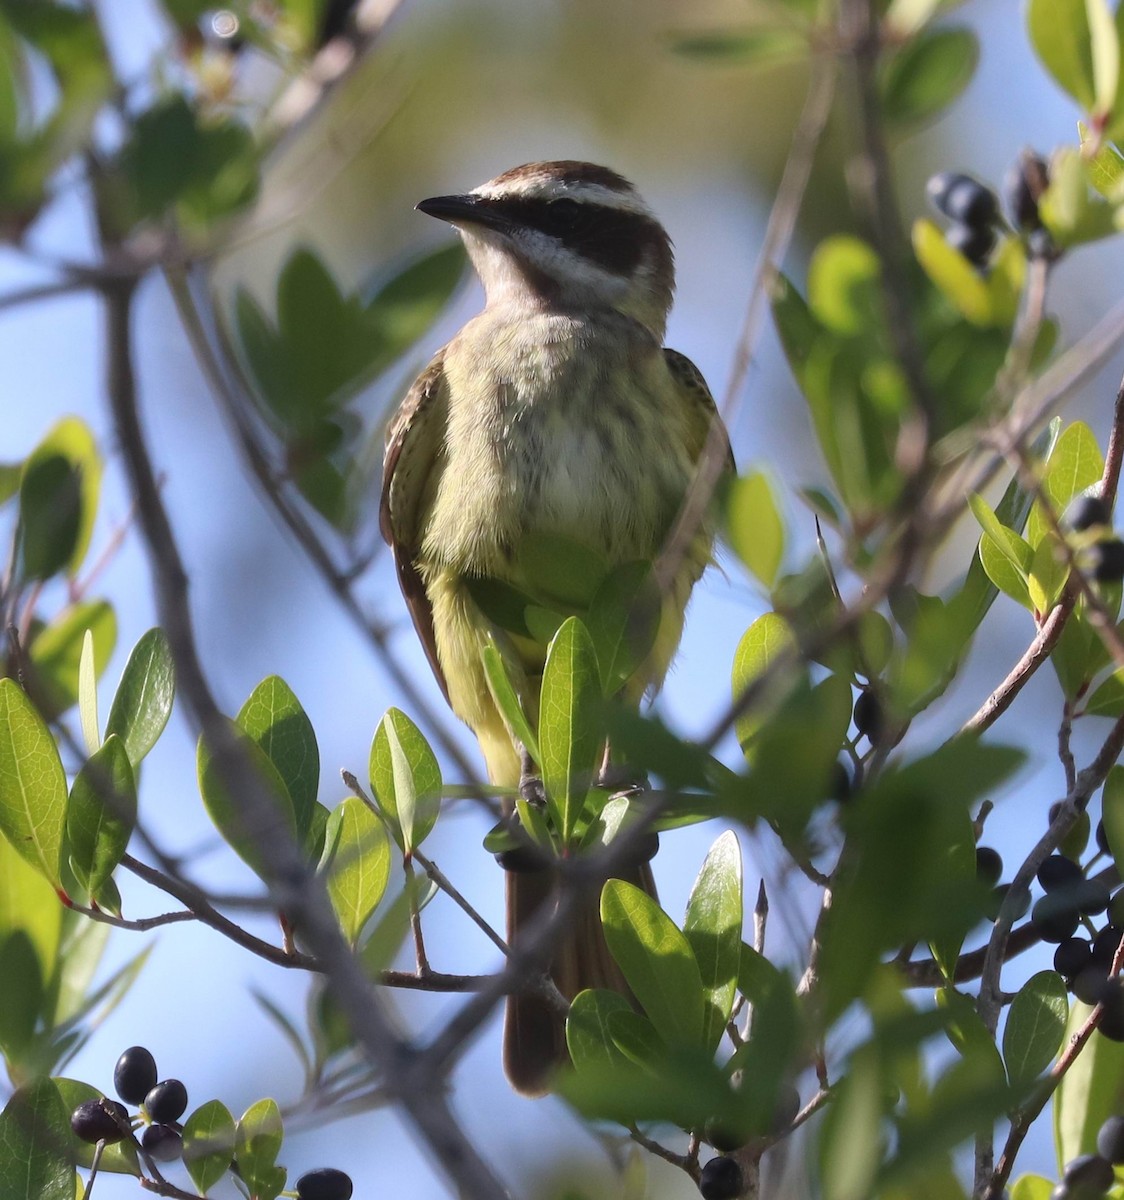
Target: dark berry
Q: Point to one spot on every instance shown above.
(724, 1137)
(1106, 561)
(839, 784)
(1022, 187)
(163, 1142)
(167, 1102)
(1088, 984)
(1089, 1171)
(1072, 956)
(1054, 917)
(989, 865)
(99, 1121)
(1110, 1140)
(999, 895)
(786, 1107)
(1059, 872)
(1112, 1018)
(326, 1183)
(1105, 945)
(1092, 896)
(135, 1075)
(975, 242)
(963, 199)
(868, 716)
(721, 1179)
(1083, 512)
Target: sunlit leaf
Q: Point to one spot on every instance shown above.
(355, 864)
(406, 779)
(258, 1140)
(208, 1144)
(754, 527)
(713, 927)
(143, 701)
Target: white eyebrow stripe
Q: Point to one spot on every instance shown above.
(544, 187)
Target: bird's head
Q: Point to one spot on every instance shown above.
(565, 236)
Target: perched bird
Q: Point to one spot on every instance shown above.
(555, 411)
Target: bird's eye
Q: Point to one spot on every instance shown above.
(564, 213)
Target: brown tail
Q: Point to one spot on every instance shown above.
(534, 1035)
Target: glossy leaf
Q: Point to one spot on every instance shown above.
(1089, 1093)
(28, 903)
(506, 698)
(587, 1029)
(1036, 1020)
(406, 779)
(636, 1038)
(763, 642)
(571, 732)
(1048, 574)
(121, 1158)
(24, 996)
(754, 527)
(713, 928)
(228, 813)
(101, 814)
(928, 73)
(35, 1158)
(355, 864)
(623, 622)
(274, 720)
(50, 516)
(258, 1140)
(1112, 810)
(32, 784)
(88, 695)
(656, 960)
(55, 652)
(208, 1144)
(1059, 33)
(1075, 464)
(143, 701)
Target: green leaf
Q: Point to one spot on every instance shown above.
(754, 527)
(1031, 1187)
(768, 638)
(1105, 44)
(228, 813)
(404, 308)
(506, 698)
(1112, 810)
(1091, 1091)
(1035, 1026)
(50, 515)
(623, 622)
(587, 1029)
(561, 572)
(35, 1158)
(274, 720)
(953, 275)
(143, 701)
(88, 695)
(355, 864)
(28, 903)
(101, 814)
(927, 73)
(55, 653)
(636, 1038)
(257, 1143)
(713, 928)
(757, 47)
(24, 997)
(1013, 548)
(1048, 574)
(1069, 209)
(571, 730)
(843, 286)
(121, 1158)
(1074, 465)
(1059, 33)
(406, 779)
(657, 961)
(1003, 573)
(208, 1144)
(32, 784)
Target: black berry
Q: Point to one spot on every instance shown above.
(166, 1102)
(1023, 185)
(1083, 512)
(1110, 1140)
(163, 1142)
(1089, 983)
(1054, 917)
(839, 784)
(1092, 896)
(975, 242)
(786, 1108)
(989, 865)
(869, 716)
(721, 1179)
(99, 1121)
(963, 199)
(135, 1075)
(1105, 945)
(1106, 561)
(1112, 1018)
(1072, 956)
(1058, 872)
(326, 1183)
(1089, 1171)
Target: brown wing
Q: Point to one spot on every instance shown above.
(411, 466)
(697, 394)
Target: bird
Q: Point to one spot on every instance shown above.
(556, 411)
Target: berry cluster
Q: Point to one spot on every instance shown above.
(1103, 558)
(161, 1104)
(973, 210)
(1089, 1176)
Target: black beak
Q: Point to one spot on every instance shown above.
(464, 210)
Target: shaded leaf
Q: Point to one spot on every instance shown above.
(101, 814)
(587, 1028)
(35, 1158)
(623, 622)
(406, 779)
(927, 73)
(258, 1140)
(713, 928)
(143, 701)
(1035, 1026)
(208, 1144)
